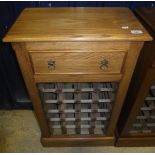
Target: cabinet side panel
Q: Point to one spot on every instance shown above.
(139, 100)
(139, 77)
(25, 66)
(128, 69)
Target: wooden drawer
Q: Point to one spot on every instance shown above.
(77, 62)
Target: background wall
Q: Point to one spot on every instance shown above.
(13, 94)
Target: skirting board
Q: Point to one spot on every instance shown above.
(135, 141)
(77, 141)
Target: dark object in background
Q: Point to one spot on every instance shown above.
(136, 126)
(12, 89)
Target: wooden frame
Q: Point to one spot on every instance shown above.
(142, 93)
(128, 70)
(135, 141)
(143, 78)
(140, 85)
(25, 65)
(124, 138)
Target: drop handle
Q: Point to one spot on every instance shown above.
(104, 64)
(51, 65)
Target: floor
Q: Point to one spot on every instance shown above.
(19, 132)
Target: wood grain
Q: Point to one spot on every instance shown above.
(78, 63)
(147, 14)
(75, 24)
(78, 141)
(153, 64)
(142, 78)
(77, 39)
(149, 77)
(136, 141)
(129, 66)
(25, 66)
(77, 78)
(78, 46)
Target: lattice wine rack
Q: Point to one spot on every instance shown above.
(145, 120)
(78, 108)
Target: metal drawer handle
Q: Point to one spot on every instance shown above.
(51, 65)
(104, 64)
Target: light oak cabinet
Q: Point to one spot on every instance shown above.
(136, 126)
(77, 64)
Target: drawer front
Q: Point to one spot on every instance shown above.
(77, 62)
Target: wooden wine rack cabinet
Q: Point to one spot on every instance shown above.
(78, 108)
(136, 126)
(77, 64)
(145, 120)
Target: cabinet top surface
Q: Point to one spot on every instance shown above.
(148, 15)
(76, 24)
